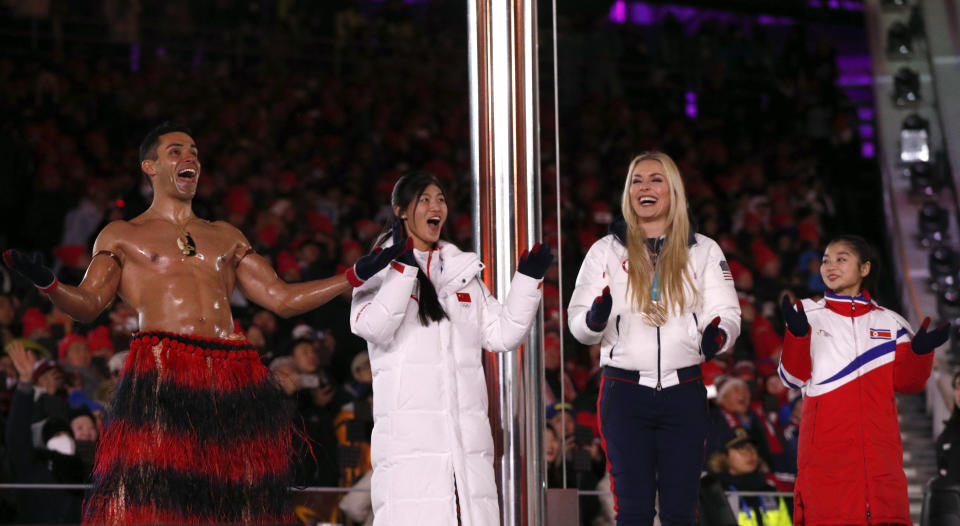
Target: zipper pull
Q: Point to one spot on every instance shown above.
(658, 386)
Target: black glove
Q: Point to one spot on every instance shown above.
(375, 261)
(536, 262)
(32, 268)
(925, 342)
(796, 320)
(600, 311)
(712, 339)
(407, 257)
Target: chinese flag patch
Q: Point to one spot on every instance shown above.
(463, 297)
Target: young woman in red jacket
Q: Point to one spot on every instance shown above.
(849, 356)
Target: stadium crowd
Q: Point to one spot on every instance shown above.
(301, 140)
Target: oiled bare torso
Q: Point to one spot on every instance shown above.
(172, 291)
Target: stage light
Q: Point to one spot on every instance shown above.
(906, 87)
(899, 40)
(932, 222)
(915, 139)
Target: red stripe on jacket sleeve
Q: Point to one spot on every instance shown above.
(911, 370)
(795, 357)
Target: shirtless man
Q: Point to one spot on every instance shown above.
(186, 368)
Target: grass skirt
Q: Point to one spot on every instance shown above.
(197, 434)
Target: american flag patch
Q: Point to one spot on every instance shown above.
(463, 297)
(726, 270)
(880, 334)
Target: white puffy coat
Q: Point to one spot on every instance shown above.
(627, 341)
(430, 397)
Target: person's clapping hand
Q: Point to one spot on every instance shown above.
(23, 360)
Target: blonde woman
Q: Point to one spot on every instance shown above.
(659, 298)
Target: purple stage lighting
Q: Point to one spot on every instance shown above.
(618, 12)
(691, 106)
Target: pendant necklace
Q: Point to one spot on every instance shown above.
(655, 313)
(185, 241)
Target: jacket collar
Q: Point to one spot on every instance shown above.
(459, 267)
(851, 306)
(619, 230)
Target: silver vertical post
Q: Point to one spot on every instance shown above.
(506, 220)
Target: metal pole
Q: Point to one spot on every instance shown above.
(506, 211)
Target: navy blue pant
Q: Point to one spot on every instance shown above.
(654, 441)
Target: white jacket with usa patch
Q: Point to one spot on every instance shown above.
(431, 429)
(627, 342)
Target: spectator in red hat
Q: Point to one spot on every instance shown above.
(50, 396)
(99, 342)
(35, 324)
(75, 359)
(288, 268)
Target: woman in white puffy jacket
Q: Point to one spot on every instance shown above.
(660, 300)
(426, 318)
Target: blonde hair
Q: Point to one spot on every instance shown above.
(673, 256)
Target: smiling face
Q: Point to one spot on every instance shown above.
(650, 196)
(842, 270)
(424, 217)
(84, 428)
(176, 170)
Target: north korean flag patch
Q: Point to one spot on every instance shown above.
(463, 297)
(880, 334)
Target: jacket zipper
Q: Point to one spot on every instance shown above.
(659, 387)
(856, 350)
(618, 337)
(696, 330)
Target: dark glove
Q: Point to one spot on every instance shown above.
(924, 342)
(796, 320)
(600, 311)
(32, 268)
(712, 339)
(536, 262)
(374, 262)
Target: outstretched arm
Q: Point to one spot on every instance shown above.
(257, 280)
(97, 289)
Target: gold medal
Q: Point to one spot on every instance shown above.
(655, 314)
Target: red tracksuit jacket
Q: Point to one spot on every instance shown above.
(848, 366)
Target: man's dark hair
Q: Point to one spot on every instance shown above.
(148, 147)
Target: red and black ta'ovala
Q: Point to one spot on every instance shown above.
(198, 434)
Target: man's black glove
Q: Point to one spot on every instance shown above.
(712, 339)
(535, 262)
(925, 342)
(796, 320)
(375, 261)
(600, 311)
(32, 268)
